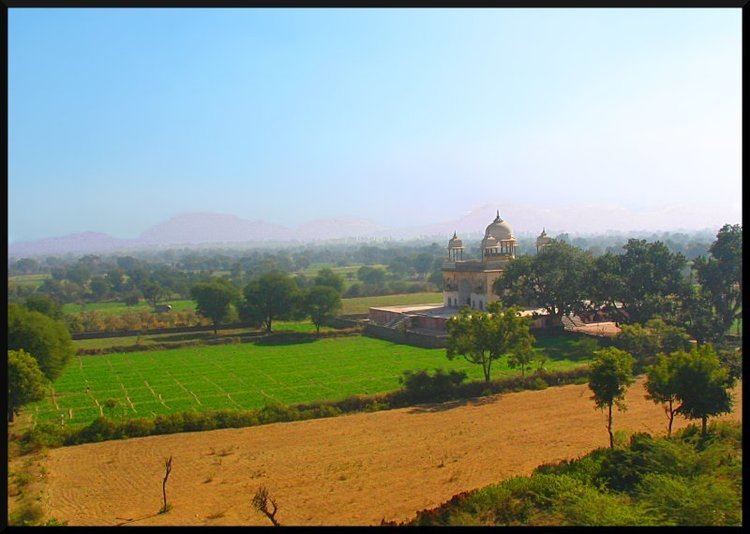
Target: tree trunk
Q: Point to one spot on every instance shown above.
(11, 415)
(317, 329)
(268, 325)
(704, 422)
(609, 429)
(486, 369)
(216, 328)
(671, 419)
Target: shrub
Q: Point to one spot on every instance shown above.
(421, 386)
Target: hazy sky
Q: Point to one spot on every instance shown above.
(121, 118)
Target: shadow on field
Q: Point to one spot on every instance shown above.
(450, 405)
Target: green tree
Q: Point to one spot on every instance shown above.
(153, 292)
(270, 297)
(26, 382)
(720, 275)
(321, 303)
(661, 386)
(610, 376)
(644, 342)
(556, 280)
(400, 266)
(326, 277)
(374, 276)
(423, 263)
(44, 304)
(484, 337)
(213, 300)
(47, 339)
(641, 283)
(99, 287)
(703, 386)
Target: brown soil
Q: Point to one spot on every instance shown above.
(355, 469)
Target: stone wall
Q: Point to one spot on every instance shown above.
(405, 336)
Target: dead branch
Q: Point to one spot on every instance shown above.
(167, 470)
(260, 503)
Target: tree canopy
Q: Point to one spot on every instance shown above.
(26, 382)
(213, 300)
(46, 339)
(483, 337)
(321, 303)
(611, 375)
(556, 279)
(269, 297)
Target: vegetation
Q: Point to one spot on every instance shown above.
(321, 303)
(283, 369)
(271, 296)
(483, 338)
(610, 376)
(213, 300)
(41, 336)
(683, 481)
(26, 383)
(421, 389)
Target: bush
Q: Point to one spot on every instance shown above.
(420, 386)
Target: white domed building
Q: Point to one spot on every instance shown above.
(469, 282)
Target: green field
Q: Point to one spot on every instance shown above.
(119, 308)
(362, 304)
(122, 341)
(247, 375)
(33, 280)
(353, 305)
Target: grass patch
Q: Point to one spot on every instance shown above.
(119, 308)
(247, 375)
(363, 304)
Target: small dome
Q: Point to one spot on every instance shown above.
(499, 229)
(490, 241)
(455, 242)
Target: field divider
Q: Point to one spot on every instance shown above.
(127, 397)
(157, 397)
(186, 389)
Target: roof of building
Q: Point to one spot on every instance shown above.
(499, 229)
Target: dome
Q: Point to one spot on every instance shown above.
(499, 229)
(455, 242)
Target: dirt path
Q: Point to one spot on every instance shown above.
(354, 469)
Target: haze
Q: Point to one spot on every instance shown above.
(122, 118)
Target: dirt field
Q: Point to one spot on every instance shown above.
(354, 469)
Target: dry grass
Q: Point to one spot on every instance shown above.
(353, 469)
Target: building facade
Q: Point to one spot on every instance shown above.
(469, 282)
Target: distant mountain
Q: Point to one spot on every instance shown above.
(193, 229)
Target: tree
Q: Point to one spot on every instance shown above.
(152, 292)
(556, 280)
(702, 385)
(213, 300)
(700, 317)
(321, 303)
(483, 337)
(46, 339)
(661, 386)
(326, 277)
(720, 275)
(423, 263)
(611, 375)
(269, 297)
(260, 502)
(399, 266)
(26, 382)
(644, 342)
(639, 284)
(99, 287)
(44, 304)
(374, 276)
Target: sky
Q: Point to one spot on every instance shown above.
(122, 118)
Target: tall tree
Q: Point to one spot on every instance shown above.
(213, 300)
(642, 283)
(720, 275)
(153, 292)
(661, 386)
(611, 375)
(484, 337)
(26, 382)
(270, 297)
(46, 339)
(556, 279)
(321, 303)
(44, 304)
(326, 277)
(703, 385)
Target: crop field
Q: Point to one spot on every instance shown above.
(248, 375)
(119, 308)
(278, 326)
(32, 280)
